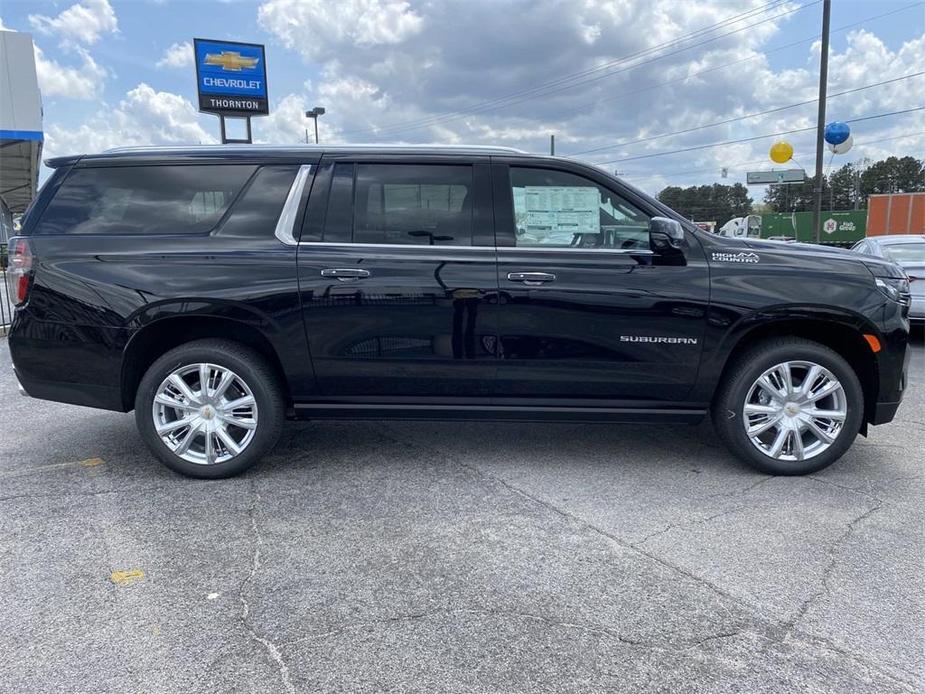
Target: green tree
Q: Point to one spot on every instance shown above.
(894, 175)
(790, 197)
(716, 202)
(843, 189)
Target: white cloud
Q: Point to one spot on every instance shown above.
(84, 22)
(178, 55)
(84, 82)
(442, 72)
(313, 27)
(145, 116)
(434, 82)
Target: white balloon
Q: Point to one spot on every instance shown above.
(843, 147)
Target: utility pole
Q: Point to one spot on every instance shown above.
(820, 121)
(552, 145)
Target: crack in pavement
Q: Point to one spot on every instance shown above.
(786, 626)
(832, 555)
(655, 644)
(699, 521)
(271, 648)
(688, 524)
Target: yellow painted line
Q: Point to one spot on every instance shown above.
(126, 578)
(89, 462)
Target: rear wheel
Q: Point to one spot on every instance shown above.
(210, 408)
(789, 407)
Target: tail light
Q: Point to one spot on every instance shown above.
(19, 270)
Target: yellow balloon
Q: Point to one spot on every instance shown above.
(781, 152)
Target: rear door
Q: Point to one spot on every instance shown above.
(588, 311)
(398, 279)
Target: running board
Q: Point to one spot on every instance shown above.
(324, 410)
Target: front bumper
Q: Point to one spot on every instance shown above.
(892, 365)
(883, 412)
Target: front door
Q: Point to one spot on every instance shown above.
(588, 311)
(398, 279)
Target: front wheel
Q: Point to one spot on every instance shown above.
(210, 408)
(789, 407)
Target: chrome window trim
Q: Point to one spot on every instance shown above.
(571, 249)
(509, 249)
(285, 225)
(350, 244)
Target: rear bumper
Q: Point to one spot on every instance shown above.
(22, 391)
(86, 394)
(74, 364)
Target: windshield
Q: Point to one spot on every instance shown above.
(906, 253)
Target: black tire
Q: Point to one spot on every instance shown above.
(245, 363)
(730, 398)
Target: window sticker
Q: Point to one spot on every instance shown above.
(554, 214)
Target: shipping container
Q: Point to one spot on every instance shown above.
(896, 213)
(842, 228)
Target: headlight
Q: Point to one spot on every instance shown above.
(895, 289)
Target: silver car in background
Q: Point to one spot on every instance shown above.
(908, 251)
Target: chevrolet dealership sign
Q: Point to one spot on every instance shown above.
(231, 78)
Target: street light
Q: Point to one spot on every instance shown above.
(313, 114)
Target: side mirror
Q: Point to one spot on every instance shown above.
(669, 230)
(665, 235)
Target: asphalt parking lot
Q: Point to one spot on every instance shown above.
(457, 557)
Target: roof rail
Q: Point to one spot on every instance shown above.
(309, 148)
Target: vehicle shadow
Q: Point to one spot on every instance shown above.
(692, 447)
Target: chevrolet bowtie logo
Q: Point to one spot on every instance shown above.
(231, 60)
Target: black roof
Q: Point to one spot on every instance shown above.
(283, 152)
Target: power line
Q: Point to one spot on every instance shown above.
(737, 166)
(751, 139)
(564, 78)
(590, 104)
(554, 86)
(738, 118)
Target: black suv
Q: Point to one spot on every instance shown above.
(218, 291)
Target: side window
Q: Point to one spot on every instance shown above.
(256, 212)
(423, 204)
(556, 209)
(338, 222)
(155, 199)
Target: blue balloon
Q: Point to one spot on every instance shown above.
(836, 132)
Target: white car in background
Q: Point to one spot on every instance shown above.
(908, 251)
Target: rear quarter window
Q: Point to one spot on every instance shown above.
(257, 210)
(154, 199)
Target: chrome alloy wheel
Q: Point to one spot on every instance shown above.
(205, 413)
(795, 411)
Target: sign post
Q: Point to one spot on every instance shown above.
(231, 82)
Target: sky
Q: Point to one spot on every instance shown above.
(621, 83)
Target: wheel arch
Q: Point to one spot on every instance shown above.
(846, 338)
(163, 334)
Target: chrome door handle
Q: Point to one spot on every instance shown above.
(532, 279)
(345, 274)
